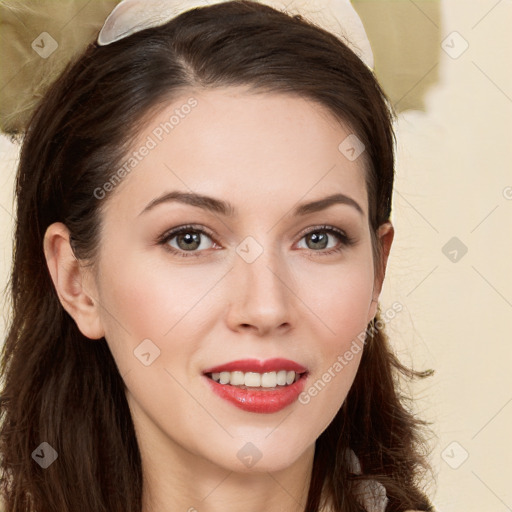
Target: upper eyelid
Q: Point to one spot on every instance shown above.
(321, 227)
(171, 233)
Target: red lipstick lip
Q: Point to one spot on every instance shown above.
(259, 400)
(257, 366)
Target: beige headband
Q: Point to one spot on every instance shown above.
(336, 16)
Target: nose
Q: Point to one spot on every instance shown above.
(261, 299)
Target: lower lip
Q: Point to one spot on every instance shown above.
(259, 401)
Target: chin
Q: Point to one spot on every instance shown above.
(262, 455)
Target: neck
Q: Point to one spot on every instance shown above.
(179, 480)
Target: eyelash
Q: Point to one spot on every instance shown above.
(345, 240)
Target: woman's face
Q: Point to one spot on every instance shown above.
(258, 272)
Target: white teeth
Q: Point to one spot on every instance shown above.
(254, 380)
(269, 380)
(237, 379)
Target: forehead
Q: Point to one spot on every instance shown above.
(249, 148)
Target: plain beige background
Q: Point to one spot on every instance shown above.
(453, 186)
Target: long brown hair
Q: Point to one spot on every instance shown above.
(65, 391)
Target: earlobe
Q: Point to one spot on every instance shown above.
(68, 278)
(385, 235)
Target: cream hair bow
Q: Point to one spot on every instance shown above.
(336, 16)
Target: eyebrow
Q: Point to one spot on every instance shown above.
(227, 209)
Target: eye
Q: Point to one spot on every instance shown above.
(191, 240)
(325, 240)
(187, 239)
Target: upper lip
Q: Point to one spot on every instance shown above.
(255, 365)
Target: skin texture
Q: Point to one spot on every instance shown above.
(264, 153)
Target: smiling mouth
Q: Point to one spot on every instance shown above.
(257, 381)
(276, 385)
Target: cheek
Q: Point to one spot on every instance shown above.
(349, 301)
(153, 300)
(153, 328)
(340, 296)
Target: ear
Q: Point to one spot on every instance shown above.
(69, 278)
(385, 234)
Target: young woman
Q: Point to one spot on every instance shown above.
(202, 233)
